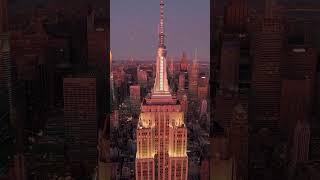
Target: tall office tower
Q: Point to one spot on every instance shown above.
(202, 92)
(300, 146)
(181, 84)
(28, 50)
(236, 14)
(194, 79)
(239, 136)
(98, 57)
(204, 80)
(161, 131)
(269, 50)
(183, 76)
(184, 63)
(203, 87)
(184, 103)
(80, 119)
(142, 77)
(172, 76)
(229, 78)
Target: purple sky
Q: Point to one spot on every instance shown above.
(134, 26)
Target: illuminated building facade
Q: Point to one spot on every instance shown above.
(161, 131)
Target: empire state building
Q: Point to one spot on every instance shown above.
(161, 131)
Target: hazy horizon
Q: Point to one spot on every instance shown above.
(134, 28)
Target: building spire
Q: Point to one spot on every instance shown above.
(161, 26)
(161, 85)
(195, 60)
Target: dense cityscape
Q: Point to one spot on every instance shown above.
(70, 108)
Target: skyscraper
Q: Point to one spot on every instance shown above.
(184, 63)
(98, 58)
(80, 119)
(194, 78)
(266, 79)
(135, 96)
(230, 57)
(161, 131)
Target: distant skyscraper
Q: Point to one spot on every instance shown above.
(135, 96)
(204, 107)
(184, 63)
(142, 77)
(181, 83)
(202, 92)
(194, 78)
(184, 103)
(161, 132)
(80, 119)
(203, 88)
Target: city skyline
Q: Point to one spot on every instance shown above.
(156, 108)
(134, 30)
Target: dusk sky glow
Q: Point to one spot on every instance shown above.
(134, 28)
